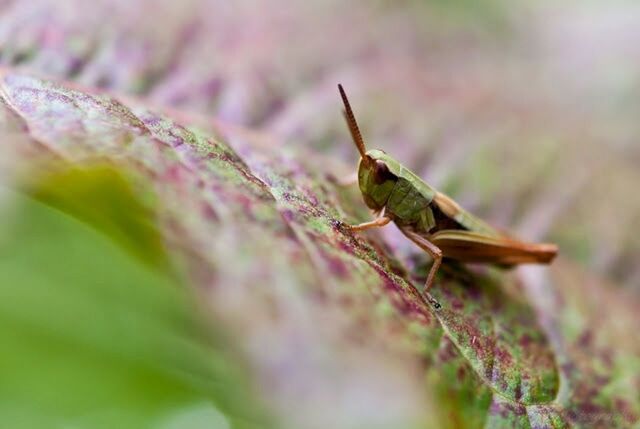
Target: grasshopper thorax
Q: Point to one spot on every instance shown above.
(375, 179)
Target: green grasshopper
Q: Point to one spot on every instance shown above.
(429, 218)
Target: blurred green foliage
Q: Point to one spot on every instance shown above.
(95, 336)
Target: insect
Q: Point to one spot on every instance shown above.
(432, 220)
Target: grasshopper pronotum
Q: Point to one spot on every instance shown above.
(429, 218)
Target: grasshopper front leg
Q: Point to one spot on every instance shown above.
(435, 253)
(376, 223)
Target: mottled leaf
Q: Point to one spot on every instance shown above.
(332, 325)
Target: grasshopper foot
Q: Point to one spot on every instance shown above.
(433, 302)
(341, 226)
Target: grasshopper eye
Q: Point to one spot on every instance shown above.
(381, 172)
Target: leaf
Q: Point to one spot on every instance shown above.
(327, 320)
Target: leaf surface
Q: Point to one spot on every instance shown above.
(326, 319)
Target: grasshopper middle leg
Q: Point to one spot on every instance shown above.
(435, 253)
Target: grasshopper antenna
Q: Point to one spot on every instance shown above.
(353, 126)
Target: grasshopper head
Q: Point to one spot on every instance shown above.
(374, 177)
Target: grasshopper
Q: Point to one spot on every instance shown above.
(431, 219)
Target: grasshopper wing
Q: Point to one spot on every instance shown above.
(467, 246)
